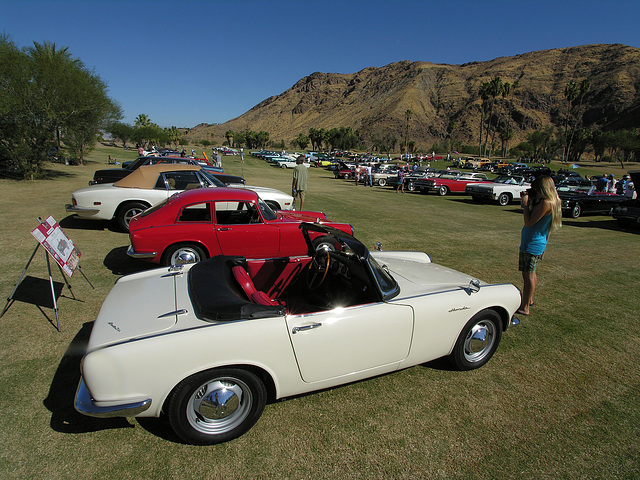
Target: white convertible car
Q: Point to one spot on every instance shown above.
(152, 184)
(208, 344)
(504, 189)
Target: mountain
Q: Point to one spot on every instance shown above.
(374, 100)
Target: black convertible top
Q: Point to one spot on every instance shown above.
(217, 296)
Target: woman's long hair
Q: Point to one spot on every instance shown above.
(546, 188)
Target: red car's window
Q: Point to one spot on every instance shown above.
(236, 213)
(199, 212)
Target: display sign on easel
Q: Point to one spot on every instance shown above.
(62, 250)
(59, 246)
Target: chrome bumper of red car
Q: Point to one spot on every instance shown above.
(132, 253)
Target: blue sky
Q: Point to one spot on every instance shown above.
(187, 62)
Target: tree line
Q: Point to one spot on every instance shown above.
(48, 101)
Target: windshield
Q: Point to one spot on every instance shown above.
(388, 286)
(157, 206)
(211, 179)
(267, 213)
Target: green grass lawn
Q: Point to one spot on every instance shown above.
(558, 400)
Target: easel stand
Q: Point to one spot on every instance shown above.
(11, 299)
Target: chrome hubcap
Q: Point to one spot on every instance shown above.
(183, 256)
(219, 406)
(479, 341)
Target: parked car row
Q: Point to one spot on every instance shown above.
(151, 184)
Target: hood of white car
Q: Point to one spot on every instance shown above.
(417, 275)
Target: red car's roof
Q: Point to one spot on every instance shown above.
(217, 193)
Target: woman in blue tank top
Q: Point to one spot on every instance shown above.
(542, 214)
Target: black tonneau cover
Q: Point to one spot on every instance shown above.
(217, 296)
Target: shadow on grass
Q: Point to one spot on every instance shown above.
(71, 222)
(61, 397)
(120, 263)
(595, 222)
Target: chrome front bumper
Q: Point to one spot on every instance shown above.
(135, 254)
(84, 404)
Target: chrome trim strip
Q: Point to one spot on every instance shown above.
(182, 311)
(84, 405)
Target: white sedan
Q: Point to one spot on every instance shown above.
(152, 184)
(208, 344)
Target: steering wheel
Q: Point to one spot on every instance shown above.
(318, 268)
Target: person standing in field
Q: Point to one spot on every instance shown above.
(299, 183)
(542, 214)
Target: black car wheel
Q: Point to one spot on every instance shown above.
(411, 186)
(504, 199)
(576, 210)
(216, 406)
(273, 205)
(127, 211)
(478, 341)
(443, 190)
(382, 182)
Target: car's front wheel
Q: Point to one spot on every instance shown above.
(411, 186)
(443, 190)
(478, 341)
(127, 211)
(504, 199)
(183, 253)
(576, 210)
(273, 205)
(382, 182)
(216, 405)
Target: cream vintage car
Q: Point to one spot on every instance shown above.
(208, 344)
(504, 189)
(152, 184)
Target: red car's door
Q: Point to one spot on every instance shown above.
(241, 231)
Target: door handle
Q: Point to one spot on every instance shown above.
(305, 327)
(224, 229)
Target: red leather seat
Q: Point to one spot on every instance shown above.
(254, 295)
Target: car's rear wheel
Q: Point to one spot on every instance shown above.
(183, 253)
(273, 205)
(411, 186)
(478, 341)
(504, 199)
(576, 210)
(443, 190)
(216, 405)
(382, 182)
(127, 211)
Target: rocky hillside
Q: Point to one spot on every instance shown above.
(374, 100)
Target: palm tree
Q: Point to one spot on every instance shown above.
(142, 120)
(229, 134)
(494, 90)
(55, 82)
(577, 90)
(407, 115)
(483, 93)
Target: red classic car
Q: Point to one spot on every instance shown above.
(450, 183)
(201, 223)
